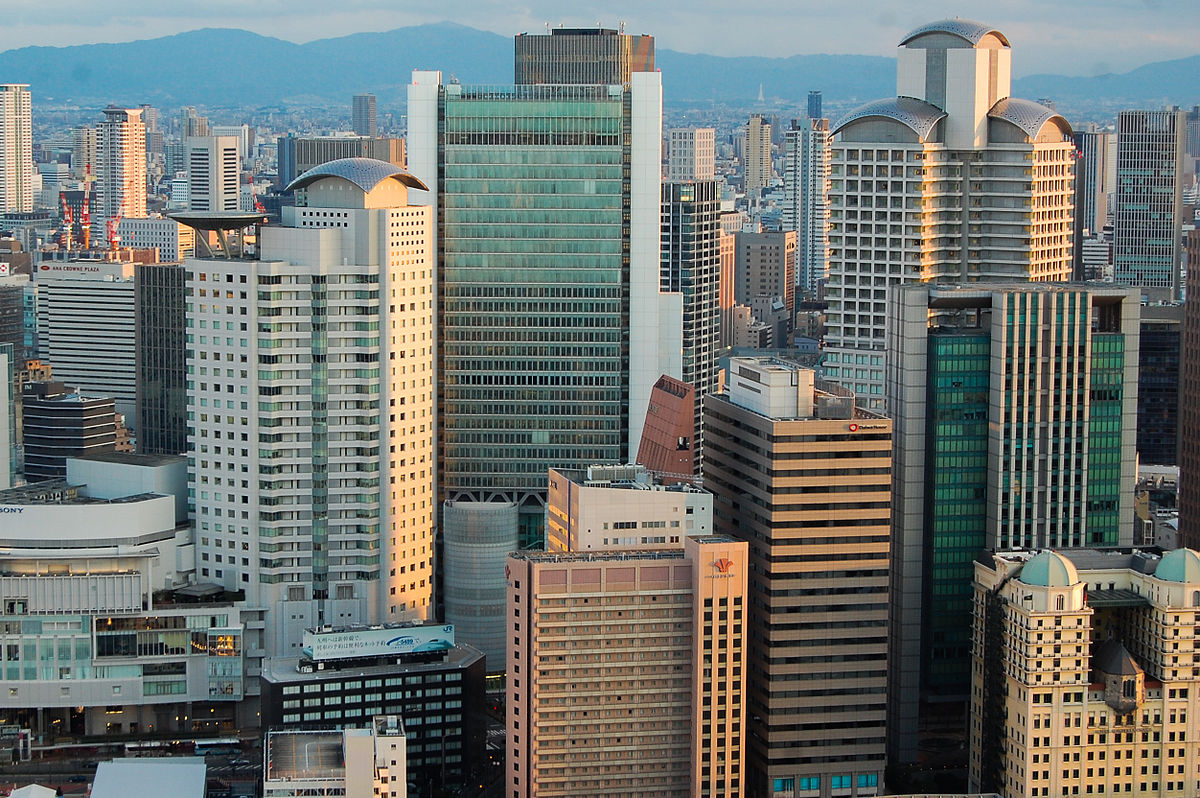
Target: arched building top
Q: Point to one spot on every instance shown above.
(918, 115)
(366, 173)
(971, 33)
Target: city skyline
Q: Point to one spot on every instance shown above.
(1073, 37)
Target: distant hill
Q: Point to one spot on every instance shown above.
(227, 68)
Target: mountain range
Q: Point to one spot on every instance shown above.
(224, 68)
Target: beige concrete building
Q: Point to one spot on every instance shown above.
(804, 476)
(1085, 673)
(691, 154)
(120, 170)
(626, 672)
(757, 172)
(621, 507)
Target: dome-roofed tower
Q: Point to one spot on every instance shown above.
(960, 66)
(1049, 569)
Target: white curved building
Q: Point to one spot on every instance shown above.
(951, 180)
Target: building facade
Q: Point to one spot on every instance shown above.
(1159, 384)
(214, 166)
(654, 706)
(85, 328)
(581, 56)
(621, 507)
(691, 154)
(931, 185)
(1084, 673)
(1016, 415)
(16, 148)
(1148, 199)
(766, 267)
(803, 475)
(58, 422)
(362, 116)
(120, 170)
(517, 174)
(757, 170)
(806, 198)
(311, 402)
(691, 267)
(160, 320)
(173, 240)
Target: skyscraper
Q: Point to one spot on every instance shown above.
(814, 105)
(553, 328)
(756, 172)
(120, 169)
(311, 391)
(951, 180)
(691, 266)
(214, 173)
(83, 153)
(766, 267)
(581, 56)
(1016, 415)
(691, 154)
(16, 148)
(1094, 177)
(1148, 202)
(804, 476)
(363, 115)
(806, 197)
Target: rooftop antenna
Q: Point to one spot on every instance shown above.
(547, 26)
(622, 26)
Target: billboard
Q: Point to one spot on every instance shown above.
(377, 641)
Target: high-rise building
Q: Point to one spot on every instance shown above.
(581, 56)
(159, 358)
(16, 148)
(120, 170)
(214, 173)
(311, 393)
(657, 705)
(757, 172)
(476, 540)
(191, 123)
(814, 105)
(59, 422)
(84, 141)
(691, 266)
(1148, 200)
(1016, 414)
(363, 116)
(298, 155)
(1084, 673)
(806, 198)
(952, 180)
(173, 240)
(553, 328)
(85, 328)
(766, 267)
(804, 476)
(727, 285)
(691, 154)
(1095, 174)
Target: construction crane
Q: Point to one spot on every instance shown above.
(67, 221)
(85, 218)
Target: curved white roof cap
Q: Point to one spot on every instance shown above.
(1031, 117)
(366, 173)
(917, 115)
(968, 30)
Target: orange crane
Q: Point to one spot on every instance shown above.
(85, 218)
(67, 221)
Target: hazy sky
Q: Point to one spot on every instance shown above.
(1078, 37)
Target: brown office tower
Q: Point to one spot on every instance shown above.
(581, 56)
(803, 475)
(1189, 411)
(626, 672)
(668, 437)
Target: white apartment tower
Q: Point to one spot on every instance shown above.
(214, 172)
(806, 198)
(120, 169)
(691, 154)
(952, 181)
(311, 395)
(16, 148)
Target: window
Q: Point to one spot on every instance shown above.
(839, 782)
(868, 780)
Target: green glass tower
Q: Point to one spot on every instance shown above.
(552, 327)
(1016, 409)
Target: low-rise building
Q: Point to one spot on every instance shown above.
(353, 762)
